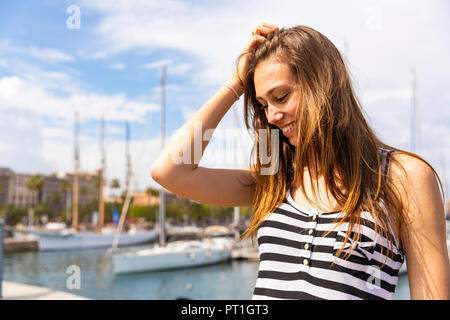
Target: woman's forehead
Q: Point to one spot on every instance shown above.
(271, 74)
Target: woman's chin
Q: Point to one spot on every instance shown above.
(293, 141)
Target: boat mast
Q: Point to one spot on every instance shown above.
(443, 169)
(236, 216)
(128, 157)
(162, 218)
(101, 205)
(415, 121)
(75, 176)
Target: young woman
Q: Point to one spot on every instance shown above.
(340, 210)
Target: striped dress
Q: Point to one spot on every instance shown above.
(296, 262)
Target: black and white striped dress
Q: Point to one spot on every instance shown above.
(296, 262)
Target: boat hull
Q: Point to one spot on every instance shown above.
(169, 261)
(180, 254)
(92, 240)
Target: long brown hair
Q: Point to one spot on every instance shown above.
(334, 138)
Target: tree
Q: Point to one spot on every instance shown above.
(114, 185)
(84, 190)
(37, 183)
(65, 187)
(55, 198)
(152, 191)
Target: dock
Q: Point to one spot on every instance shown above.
(246, 253)
(244, 250)
(20, 244)
(20, 291)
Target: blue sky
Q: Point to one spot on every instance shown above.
(110, 67)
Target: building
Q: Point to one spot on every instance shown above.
(18, 194)
(145, 199)
(5, 184)
(88, 187)
(54, 193)
(57, 191)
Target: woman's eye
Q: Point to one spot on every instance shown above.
(282, 98)
(278, 100)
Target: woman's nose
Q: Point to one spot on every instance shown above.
(273, 115)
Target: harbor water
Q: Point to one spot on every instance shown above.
(233, 280)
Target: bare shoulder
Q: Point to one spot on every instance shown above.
(407, 168)
(418, 185)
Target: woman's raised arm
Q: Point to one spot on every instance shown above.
(179, 171)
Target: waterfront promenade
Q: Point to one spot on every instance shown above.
(20, 291)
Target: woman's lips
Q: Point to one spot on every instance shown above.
(290, 130)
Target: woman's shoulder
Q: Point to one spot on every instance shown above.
(405, 165)
(413, 176)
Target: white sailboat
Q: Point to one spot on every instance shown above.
(174, 255)
(70, 240)
(58, 237)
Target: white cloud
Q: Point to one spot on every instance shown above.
(96, 55)
(157, 64)
(33, 144)
(117, 66)
(3, 146)
(173, 68)
(19, 94)
(43, 54)
(188, 112)
(372, 96)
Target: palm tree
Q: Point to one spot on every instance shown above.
(55, 199)
(151, 191)
(37, 183)
(114, 185)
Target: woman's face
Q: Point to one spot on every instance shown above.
(276, 90)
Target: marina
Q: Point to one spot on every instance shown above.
(228, 280)
(92, 209)
(234, 279)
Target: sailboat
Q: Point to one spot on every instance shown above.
(57, 237)
(174, 255)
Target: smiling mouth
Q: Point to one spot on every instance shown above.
(288, 129)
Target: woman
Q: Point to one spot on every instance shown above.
(339, 210)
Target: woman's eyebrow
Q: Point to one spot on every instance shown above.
(271, 90)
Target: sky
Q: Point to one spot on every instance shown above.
(104, 59)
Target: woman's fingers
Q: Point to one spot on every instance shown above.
(255, 41)
(274, 27)
(264, 29)
(259, 35)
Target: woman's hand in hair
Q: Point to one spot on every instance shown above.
(259, 34)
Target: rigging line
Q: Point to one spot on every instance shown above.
(128, 196)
